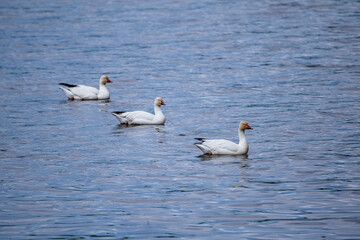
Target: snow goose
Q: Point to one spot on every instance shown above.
(141, 117)
(82, 92)
(222, 146)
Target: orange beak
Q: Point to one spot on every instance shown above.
(162, 102)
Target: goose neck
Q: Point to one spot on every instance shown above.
(157, 109)
(242, 137)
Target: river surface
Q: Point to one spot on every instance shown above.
(68, 170)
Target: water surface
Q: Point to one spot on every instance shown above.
(290, 68)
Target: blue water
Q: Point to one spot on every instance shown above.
(289, 68)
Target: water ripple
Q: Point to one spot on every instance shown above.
(290, 68)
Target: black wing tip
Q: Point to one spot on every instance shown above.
(200, 139)
(117, 112)
(68, 85)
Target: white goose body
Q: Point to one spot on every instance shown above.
(226, 147)
(82, 92)
(141, 117)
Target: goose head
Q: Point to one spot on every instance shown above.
(244, 125)
(159, 101)
(105, 79)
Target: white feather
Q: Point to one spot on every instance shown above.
(82, 92)
(224, 147)
(141, 117)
